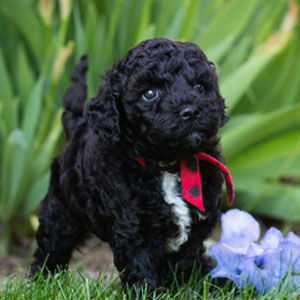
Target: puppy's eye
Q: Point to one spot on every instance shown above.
(150, 95)
(199, 87)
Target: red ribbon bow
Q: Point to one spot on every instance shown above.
(191, 186)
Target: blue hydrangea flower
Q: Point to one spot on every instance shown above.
(240, 258)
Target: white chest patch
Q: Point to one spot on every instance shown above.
(183, 219)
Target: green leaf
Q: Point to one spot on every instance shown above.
(95, 34)
(5, 168)
(27, 23)
(127, 18)
(47, 149)
(17, 139)
(270, 12)
(80, 39)
(236, 57)
(36, 193)
(175, 26)
(143, 21)
(277, 157)
(224, 26)
(18, 147)
(237, 83)
(99, 64)
(25, 78)
(280, 79)
(291, 89)
(33, 111)
(256, 128)
(189, 22)
(216, 52)
(273, 200)
(7, 108)
(111, 30)
(164, 11)
(90, 26)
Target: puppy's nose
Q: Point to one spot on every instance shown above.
(189, 112)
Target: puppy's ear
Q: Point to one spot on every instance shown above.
(103, 116)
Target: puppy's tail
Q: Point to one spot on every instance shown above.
(74, 98)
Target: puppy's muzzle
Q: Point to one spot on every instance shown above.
(189, 112)
(195, 139)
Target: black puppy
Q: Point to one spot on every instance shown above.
(121, 175)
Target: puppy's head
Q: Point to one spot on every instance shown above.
(162, 100)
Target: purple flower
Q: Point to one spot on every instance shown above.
(264, 265)
(231, 264)
(292, 237)
(239, 230)
(237, 223)
(272, 239)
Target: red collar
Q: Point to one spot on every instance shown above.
(191, 186)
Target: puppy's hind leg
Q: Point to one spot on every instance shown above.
(58, 234)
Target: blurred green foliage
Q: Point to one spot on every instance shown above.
(255, 45)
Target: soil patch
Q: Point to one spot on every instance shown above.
(93, 257)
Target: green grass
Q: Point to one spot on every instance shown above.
(77, 285)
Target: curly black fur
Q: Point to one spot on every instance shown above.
(97, 186)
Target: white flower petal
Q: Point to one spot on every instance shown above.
(292, 237)
(239, 224)
(272, 238)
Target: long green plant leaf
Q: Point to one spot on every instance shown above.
(224, 26)
(7, 108)
(173, 31)
(36, 193)
(278, 156)
(27, 23)
(18, 147)
(25, 76)
(143, 22)
(258, 127)
(80, 38)
(33, 111)
(279, 201)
